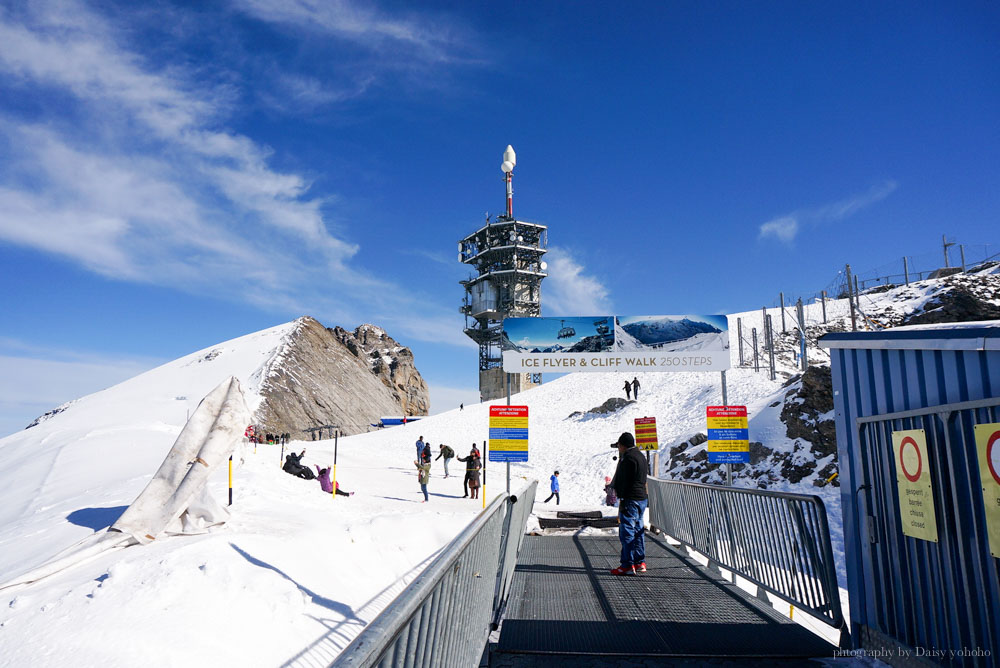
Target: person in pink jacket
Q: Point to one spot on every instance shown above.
(324, 482)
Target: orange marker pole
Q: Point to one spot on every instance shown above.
(230, 480)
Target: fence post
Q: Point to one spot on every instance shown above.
(756, 359)
(857, 293)
(802, 333)
(770, 345)
(823, 301)
(850, 299)
(739, 335)
(781, 298)
(906, 271)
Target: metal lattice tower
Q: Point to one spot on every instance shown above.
(507, 256)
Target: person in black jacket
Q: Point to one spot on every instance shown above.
(630, 485)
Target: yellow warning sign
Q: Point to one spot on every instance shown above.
(645, 434)
(913, 480)
(988, 445)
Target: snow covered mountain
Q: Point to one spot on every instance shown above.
(295, 574)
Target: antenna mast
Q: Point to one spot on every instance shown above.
(509, 160)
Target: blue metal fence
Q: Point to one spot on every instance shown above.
(912, 597)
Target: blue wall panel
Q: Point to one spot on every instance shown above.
(916, 593)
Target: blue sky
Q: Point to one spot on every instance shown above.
(174, 175)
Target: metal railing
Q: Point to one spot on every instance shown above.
(444, 617)
(777, 540)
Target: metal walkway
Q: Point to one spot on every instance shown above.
(565, 608)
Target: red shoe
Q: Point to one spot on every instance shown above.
(623, 570)
(641, 568)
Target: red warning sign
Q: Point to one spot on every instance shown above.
(910, 462)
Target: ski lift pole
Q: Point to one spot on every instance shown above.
(333, 485)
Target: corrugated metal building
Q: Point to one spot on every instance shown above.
(917, 497)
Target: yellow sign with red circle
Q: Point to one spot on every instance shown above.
(913, 480)
(988, 446)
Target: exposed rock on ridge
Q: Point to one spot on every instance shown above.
(331, 376)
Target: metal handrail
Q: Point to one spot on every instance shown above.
(779, 541)
(444, 617)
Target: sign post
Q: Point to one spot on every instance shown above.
(913, 482)
(728, 436)
(988, 446)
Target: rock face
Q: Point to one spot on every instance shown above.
(336, 377)
(809, 447)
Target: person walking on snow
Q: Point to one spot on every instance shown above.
(630, 486)
(423, 476)
(472, 465)
(447, 453)
(635, 387)
(420, 447)
(554, 486)
(628, 390)
(425, 454)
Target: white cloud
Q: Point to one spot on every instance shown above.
(783, 229)
(786, 228)
(397, 37)
(135, 176)
(568, 290)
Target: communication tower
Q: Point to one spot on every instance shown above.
(507, 256)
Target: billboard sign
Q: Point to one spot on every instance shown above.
(616, 343)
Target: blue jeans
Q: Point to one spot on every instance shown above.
(423, 488)
(631, 532)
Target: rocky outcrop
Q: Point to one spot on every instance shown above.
(612, 405)
(324, 376)
(956, 305)
(809, 449)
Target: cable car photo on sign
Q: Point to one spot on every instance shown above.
(616, 343)
(913, 480)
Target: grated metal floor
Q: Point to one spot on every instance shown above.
(564, 602)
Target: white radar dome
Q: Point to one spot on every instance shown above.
(509, 155)
(507, 166)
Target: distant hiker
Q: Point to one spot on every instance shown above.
(420, 447)
(628, 390)
(294, 466)
(326, 485)
(425, 454)
(610, 497)
(635, 387)
(461, 407)
(472, 465)
(630, 486)
(554, 486)
(447, 453)
(423, 476)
